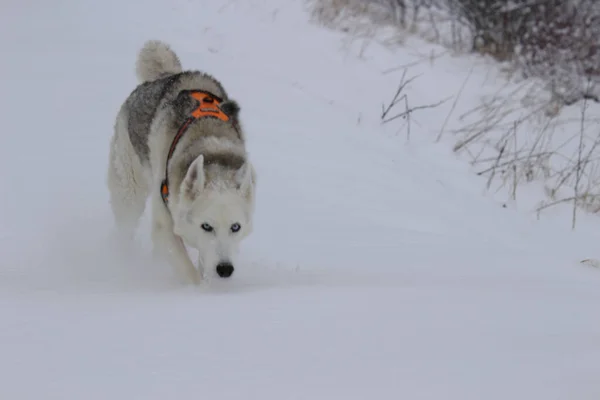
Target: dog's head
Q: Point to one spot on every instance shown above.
(214, 213)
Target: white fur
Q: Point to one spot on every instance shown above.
(220, 203)
(155, 59)
(129, 185)
(220, 210)
(225, 199)
(126, 180)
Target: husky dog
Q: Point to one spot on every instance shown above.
(178, 140)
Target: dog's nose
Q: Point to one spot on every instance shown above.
(225, 269)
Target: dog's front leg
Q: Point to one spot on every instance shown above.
(200, 267)
(167, 242)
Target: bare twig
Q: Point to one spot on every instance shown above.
(515, 178)
(554, 203)
(396, 99)
(407, 118)
(579, 169)
(561, 201)
(489, 182)
(411, 110)
(439, 137)
(504, 164)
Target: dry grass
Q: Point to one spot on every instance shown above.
(512, 138)
(432, 20)
(514, 145)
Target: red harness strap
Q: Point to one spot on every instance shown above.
(208, 107)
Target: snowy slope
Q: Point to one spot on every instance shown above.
(377, 269)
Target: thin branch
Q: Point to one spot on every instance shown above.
(504, 164)
(489, 182)
(396, 100)
(407, 118)
(409, 111)
(579, 153)
(515, 178)
(554, 203)
(439, 137)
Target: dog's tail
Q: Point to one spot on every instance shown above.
(156, 59)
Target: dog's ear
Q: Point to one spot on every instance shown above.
(245, 177)
(183, 105)
(194, 179)
(231, 108)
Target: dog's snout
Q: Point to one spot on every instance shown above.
(225, 269)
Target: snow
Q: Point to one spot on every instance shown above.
(378, 267)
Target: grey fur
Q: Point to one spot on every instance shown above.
(231, 108)
(142, 105)
(145, 100)
(168, 93)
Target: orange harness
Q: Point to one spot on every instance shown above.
(208, 107)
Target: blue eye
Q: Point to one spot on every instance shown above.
(206, 227)
(235, 227)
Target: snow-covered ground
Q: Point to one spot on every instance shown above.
(377, 270)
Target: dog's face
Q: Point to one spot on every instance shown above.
(215, 218)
